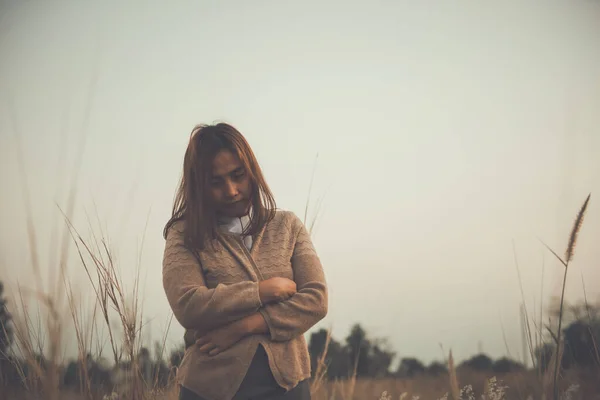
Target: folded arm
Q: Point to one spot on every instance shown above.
(194, 305)
(293, 317)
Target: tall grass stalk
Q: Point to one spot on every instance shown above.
(311, 225)
(527, 325)
(320, 374)
(110, 293)
(454, 387)
(569, 253)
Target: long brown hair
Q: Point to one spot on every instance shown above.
(192, 203)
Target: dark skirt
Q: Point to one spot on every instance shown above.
(259, 383)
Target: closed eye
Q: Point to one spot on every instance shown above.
(238, 173)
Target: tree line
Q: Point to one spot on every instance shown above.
(367, 357)
(358, 354)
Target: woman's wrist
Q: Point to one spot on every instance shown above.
(254, 324)
(263, 293)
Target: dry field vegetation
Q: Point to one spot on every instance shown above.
(47, 317)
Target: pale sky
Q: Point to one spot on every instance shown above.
(443, 132)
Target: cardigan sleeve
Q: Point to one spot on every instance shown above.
(194, 305)
(296, 315)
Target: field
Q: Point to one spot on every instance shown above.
(35, 368)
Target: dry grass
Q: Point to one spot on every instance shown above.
(112, 302)
(569, 253)
(320, 375)
(42, 332)
(110, 295)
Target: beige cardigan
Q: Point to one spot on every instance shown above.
(223, 287)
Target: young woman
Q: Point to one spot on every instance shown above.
(242, 277)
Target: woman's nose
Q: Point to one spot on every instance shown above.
(231, 189)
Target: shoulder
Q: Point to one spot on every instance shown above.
(286, 216)
(285, 219)
(175, 228)
(296, 232)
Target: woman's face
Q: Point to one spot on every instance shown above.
(230, 186)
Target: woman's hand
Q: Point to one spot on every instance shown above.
(220, 339)
(276, 289)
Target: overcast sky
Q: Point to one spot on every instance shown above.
(443, 133)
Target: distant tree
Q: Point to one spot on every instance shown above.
(581, 338)
(359, 349)
(336, 358)
(543, 355)
(372, 358)
(160, 371)
(582, 341)
(480, 362)
(77, 371)
(506, 365)
(71, 375)
(176, 356)
(100, 377)
(436, 369)
(6, 331)
(316, 346)
(380, 359)
(410, 367)
(160, 374)
(145, 363)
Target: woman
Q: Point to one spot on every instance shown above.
(242, 278)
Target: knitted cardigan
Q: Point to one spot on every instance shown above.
(218, 285)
